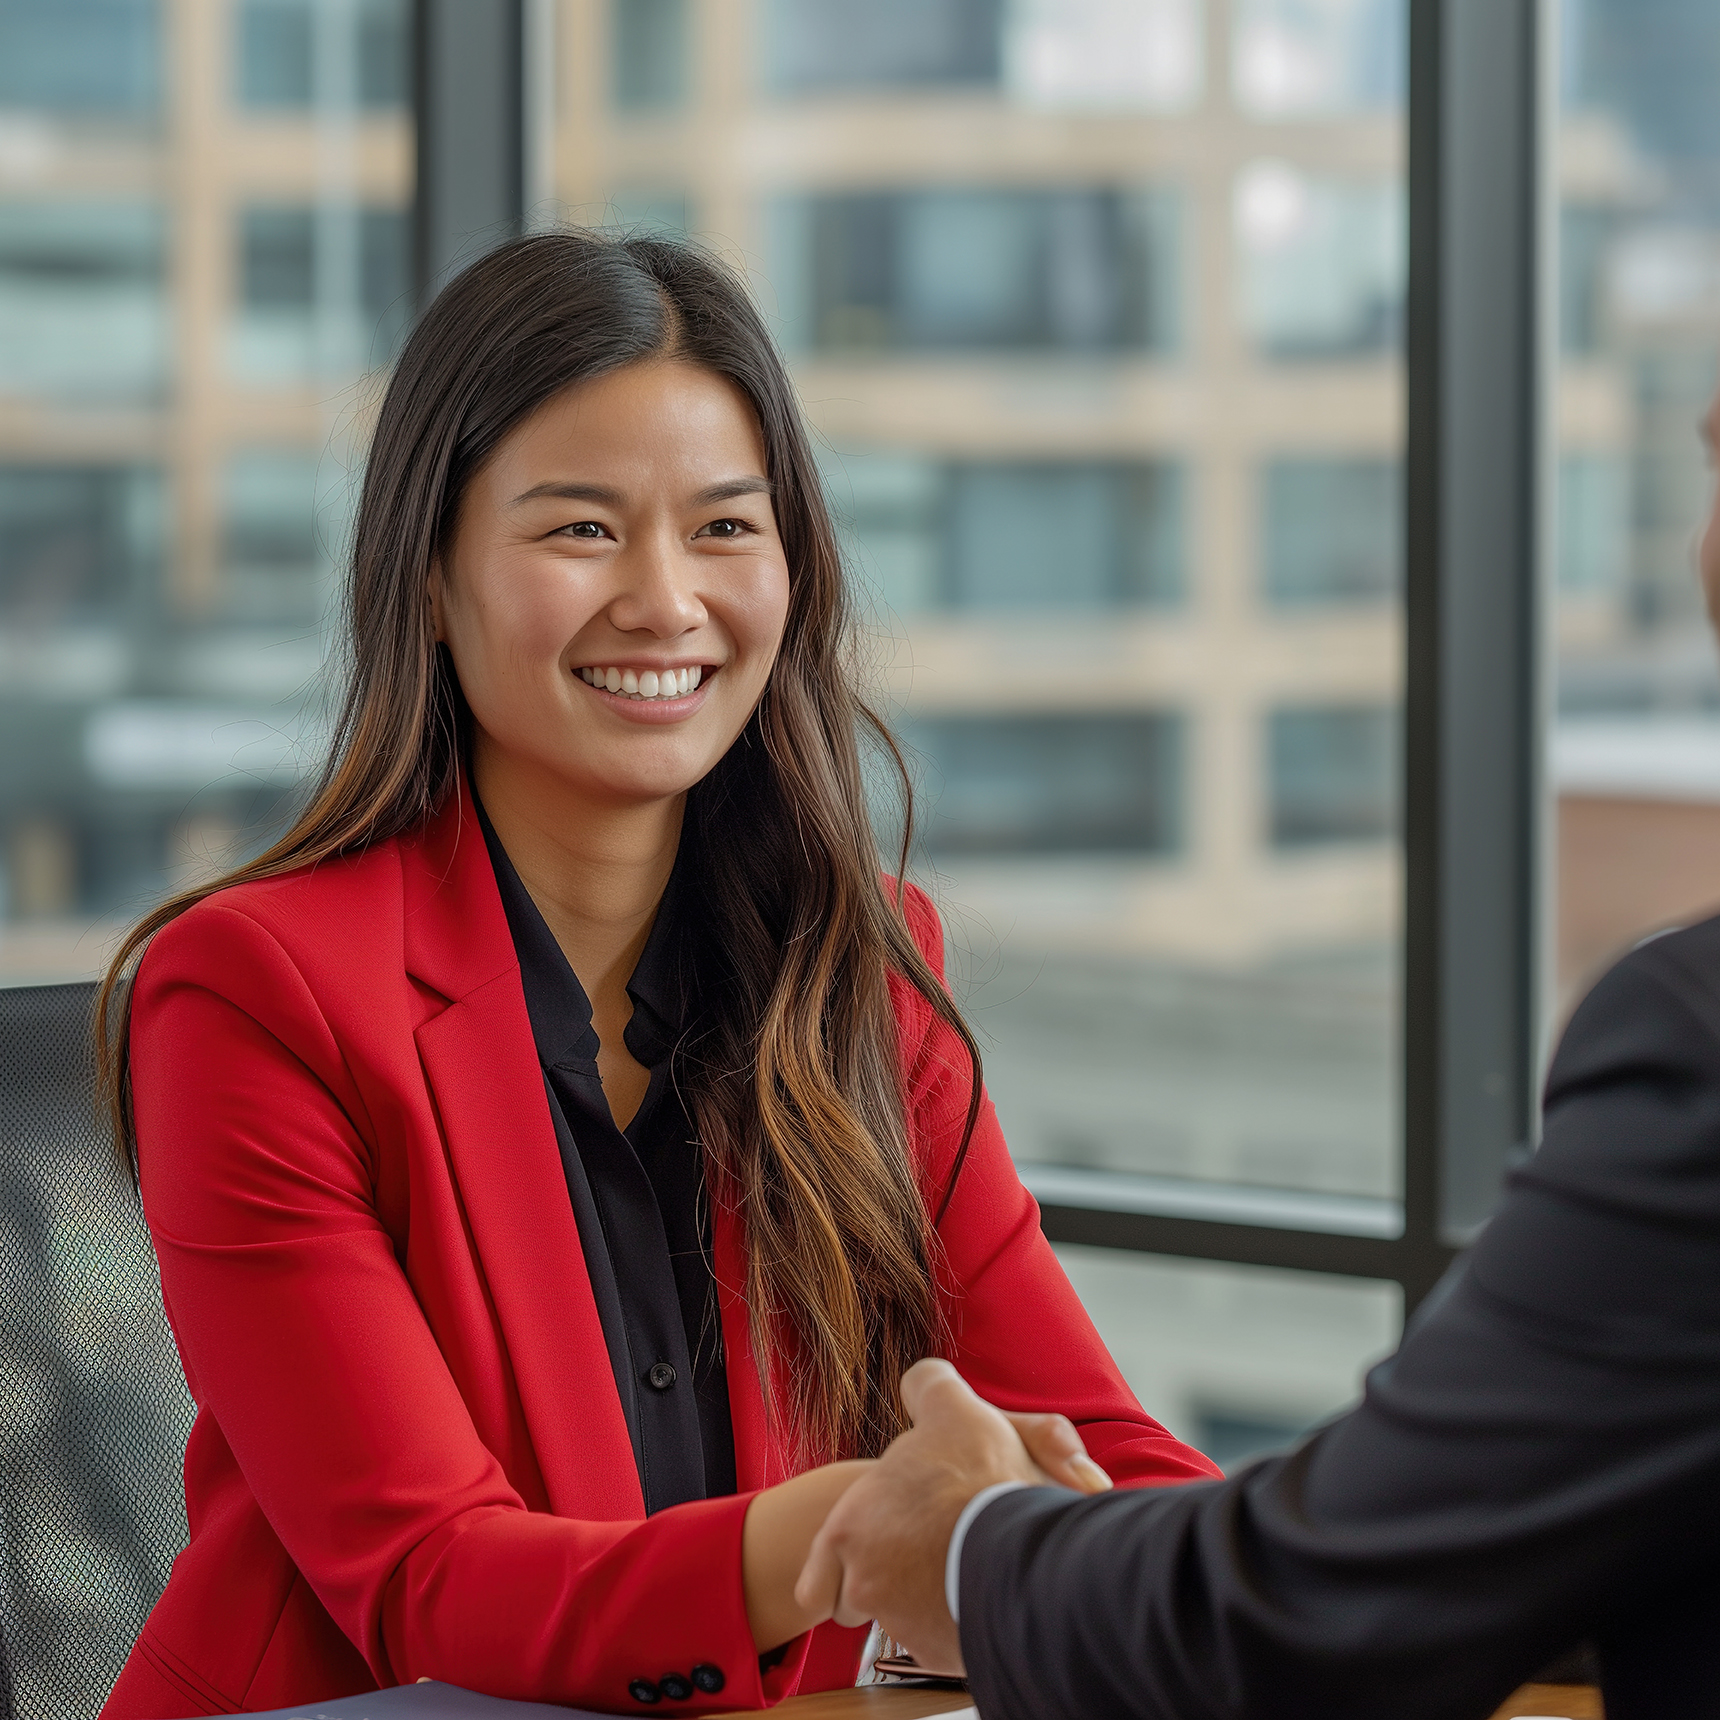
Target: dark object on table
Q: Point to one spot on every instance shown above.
(905, 1672)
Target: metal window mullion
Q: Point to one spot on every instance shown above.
(469, 101)
(1473, 725)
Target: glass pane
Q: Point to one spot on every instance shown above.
(1237, 1360)
(1636, 747)
(203, 252)
(1095, 306)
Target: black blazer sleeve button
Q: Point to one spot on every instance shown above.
(674, 1686)
(643, 1690)
(709, 1678)
(661, 1376)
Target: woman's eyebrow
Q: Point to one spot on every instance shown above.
(569, 492)
(565, 491)
(732, 487)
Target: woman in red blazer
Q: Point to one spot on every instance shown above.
(598, 643)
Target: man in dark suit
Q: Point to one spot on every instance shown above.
(1537, 1466)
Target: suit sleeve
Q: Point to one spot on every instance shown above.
(1020, 1336)
(1538, 1464)
(301, 1337)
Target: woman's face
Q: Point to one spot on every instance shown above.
(616, 588)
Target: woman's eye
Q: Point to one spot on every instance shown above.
(583, 529)
(723, 529)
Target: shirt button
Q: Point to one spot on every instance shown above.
(661, 1376)
(709, 1679)
(643, 1690)
(674, 1686)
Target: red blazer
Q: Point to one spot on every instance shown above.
(409, 1457)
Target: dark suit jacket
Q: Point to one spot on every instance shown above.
(1538, 1464)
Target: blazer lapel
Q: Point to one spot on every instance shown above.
(482, 1069)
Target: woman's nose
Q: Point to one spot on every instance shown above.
(658, 589)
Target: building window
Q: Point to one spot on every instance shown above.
(999, 269)
(78, 544)
(82, 313)
(1586, 237)
(1051, 784)
(1333, 774)
(659, 211)
(270, 545)
(648, 52)
(1594, 531)
(1295, 59)
(818, 45)
(280, 56)
(1331, 532)
(81, 56)
(1063, 536)
(1140, 56)
(1074, 536)
(294, 318)
(1321, 263)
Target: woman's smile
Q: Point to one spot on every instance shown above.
(650, 694)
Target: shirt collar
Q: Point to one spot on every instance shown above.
(556, 1003)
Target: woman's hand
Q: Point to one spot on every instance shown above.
(782, 1522)
(882, 1552)
(775, 1540)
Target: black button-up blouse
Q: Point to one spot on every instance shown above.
(638, 1195)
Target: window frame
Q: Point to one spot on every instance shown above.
(1476, 485)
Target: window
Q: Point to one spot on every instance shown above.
(187, 314)
(318, 289)
(1011, 535)
(1296, 59)
(1331, 531)
(286, 48)
(1636, 737)
(91, 57)
(1060, 293)
(1105, 55)
(1594, 528)
(1062, 536)
(664, 210)
(1332, 775)
(1320, 262)
(273, 559)
(78, 545)
(649, 45)
(83, 314)
(1061, 784)
(823, 45)
(994, 268)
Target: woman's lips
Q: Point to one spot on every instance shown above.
(649, 682)
(654, 707)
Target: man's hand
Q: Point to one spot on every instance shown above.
(881, 1551)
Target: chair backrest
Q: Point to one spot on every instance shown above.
(93, 1408)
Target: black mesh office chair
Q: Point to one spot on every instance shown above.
(93, 1408)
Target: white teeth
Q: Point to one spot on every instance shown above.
(645, 683)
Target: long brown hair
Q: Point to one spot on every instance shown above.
(793, 1074)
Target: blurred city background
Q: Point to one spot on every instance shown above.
(1095, 307)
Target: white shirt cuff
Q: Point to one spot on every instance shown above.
(953, 1558)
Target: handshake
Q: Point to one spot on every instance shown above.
(885, 1549)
